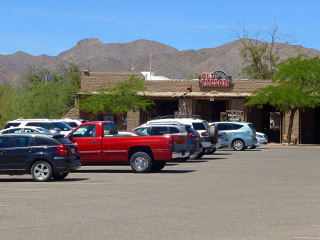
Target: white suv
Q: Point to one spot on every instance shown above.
(200, 125)
(72, 122)
(49, 124)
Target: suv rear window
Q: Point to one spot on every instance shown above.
(199, 126)
(191, 130)
(237, 126)
(12, 125)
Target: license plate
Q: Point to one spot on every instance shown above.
(72, 150)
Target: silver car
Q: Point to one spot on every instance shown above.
(25, 130)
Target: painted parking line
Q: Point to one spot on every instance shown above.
(22, 197)
(308, 238)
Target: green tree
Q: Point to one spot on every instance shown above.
(68, 72)
(41, 100)
(296, 86)
(7, 93)
(118, 100)
(260, 56)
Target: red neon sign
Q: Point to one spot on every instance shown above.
(214, 79)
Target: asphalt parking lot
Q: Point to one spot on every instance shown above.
(268, 193)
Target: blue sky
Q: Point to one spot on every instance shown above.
(51, 27)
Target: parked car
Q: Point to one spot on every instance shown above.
(198, 124)
(42, 155)
(240, 134)
(25, 130)
(50, 124)
(132, 133)
(262, 140)
(155, 129)
(72, 122)
(99, 143)
(222, 140)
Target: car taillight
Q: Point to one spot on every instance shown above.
(192, 135)
(220, 135)
(251, 133)
(170, 145)
(63, 150)
(204, 134)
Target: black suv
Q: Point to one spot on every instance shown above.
(41, 155)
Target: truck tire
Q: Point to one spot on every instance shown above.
(158, 165)
(141, 162)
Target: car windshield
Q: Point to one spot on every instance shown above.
(63, 126)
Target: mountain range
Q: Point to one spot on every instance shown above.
(140, 55)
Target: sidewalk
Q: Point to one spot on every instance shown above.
(286, 145)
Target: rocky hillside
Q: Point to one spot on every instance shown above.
(96, 56)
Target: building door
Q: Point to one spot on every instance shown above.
(211, 110)
(309, 126)
(266, 120)
(161, 108)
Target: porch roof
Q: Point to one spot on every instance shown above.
(193, 94)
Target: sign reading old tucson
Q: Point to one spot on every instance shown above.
(214, 79)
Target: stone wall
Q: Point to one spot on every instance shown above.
(91, 82)
(133, 119)
(296, 125)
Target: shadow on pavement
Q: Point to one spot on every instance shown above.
(129, 171)
(52, 180)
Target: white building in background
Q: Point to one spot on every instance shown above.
(151, 76)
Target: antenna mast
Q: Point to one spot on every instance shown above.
(150, 62)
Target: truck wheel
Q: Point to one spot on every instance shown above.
(60, 176)
(41, 171)
(238, 145)
(141, 162)
(158, 165)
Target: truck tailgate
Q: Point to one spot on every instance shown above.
(180, 142)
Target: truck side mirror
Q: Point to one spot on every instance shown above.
(70, 135)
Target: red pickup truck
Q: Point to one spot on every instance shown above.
(99, 143)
